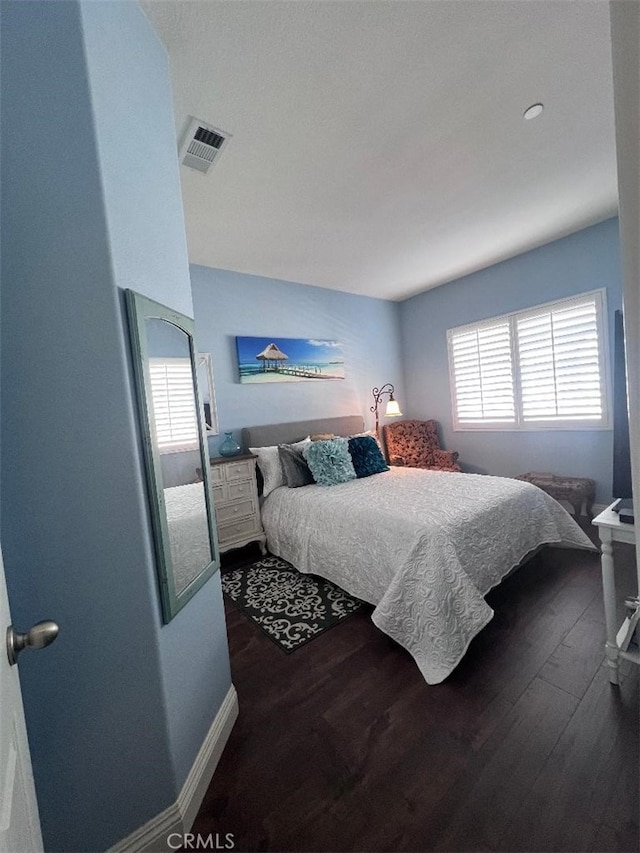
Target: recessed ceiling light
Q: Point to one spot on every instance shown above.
(533, 111)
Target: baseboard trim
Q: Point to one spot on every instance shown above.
(201, 773)
(152, 836)
(179, 817)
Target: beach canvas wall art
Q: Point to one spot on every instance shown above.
(289, 359)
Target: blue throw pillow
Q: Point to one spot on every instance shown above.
(330, 461)
(366, 456)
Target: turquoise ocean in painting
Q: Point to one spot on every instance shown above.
(289, 359)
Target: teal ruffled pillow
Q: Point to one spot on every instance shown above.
(366, 456)
(330, 461)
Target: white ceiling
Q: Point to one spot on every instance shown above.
(379, 147)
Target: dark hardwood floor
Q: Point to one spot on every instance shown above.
(342, 746)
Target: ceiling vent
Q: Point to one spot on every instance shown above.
(202, 145)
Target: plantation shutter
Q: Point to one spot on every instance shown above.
(560, 362)
(483, 374)
(543, 368)
(174, 408)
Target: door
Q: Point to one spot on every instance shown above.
(19, 822)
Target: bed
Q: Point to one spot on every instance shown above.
(422, 547)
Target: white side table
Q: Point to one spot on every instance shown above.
(235, 498)
(610, 530)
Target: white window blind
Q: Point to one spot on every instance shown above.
(174, 408)
(545, 367)
(560, 364)
(483, 372)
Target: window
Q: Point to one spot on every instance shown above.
(174, 408)
(541, 368)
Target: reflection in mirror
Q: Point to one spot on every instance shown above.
(175, 418)
(175, 450)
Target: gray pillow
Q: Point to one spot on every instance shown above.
(295, 470)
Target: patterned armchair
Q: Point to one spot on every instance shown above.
(415, 444)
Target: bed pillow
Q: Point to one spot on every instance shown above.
(295, 470)
(369, 432)
(366, 456)
(330, 461)
(270, 467)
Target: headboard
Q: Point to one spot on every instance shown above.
(265, 436)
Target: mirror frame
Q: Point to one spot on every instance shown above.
(140, 309)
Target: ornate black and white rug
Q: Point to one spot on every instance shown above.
(290, 607)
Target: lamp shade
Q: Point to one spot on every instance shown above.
(393, 409)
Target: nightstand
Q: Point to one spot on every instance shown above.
(235, 499)
(610, 530)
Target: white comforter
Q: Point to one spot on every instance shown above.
(424, 547)
(188, 532)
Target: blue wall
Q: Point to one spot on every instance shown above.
(227, 304)
(576, 264)
(118, 707)
(143, 202)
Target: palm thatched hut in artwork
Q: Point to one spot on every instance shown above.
(271, 358)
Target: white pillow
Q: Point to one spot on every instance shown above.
(270, 467)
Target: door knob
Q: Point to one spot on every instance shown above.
(37, 637)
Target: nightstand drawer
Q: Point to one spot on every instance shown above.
(226, 492)
(241, 529)
(241, 489)
(217, 474)
(239, 509)
(242, 470)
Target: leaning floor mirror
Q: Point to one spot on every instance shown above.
(176, 455)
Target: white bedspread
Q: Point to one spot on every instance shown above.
(188, 532)
(424, 547)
